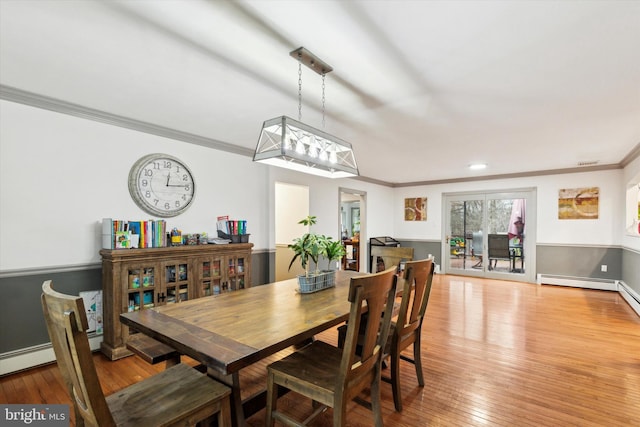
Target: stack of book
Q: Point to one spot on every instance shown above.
(124, 234)
(233, 227)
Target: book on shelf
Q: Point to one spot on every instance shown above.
(123, 240)
(231, 227)
(141, 234)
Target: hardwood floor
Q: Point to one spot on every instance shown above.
(495, 353)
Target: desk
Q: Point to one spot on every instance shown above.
(231, 331)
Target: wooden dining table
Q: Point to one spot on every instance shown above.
(231, 331)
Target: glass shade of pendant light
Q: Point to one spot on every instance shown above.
(291, 144)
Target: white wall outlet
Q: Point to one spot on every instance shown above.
(603, 268)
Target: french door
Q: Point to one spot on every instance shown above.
(490, 234)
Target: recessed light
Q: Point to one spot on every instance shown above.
(477, 166)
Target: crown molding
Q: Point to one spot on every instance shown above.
(513, 175)
(20, 96)
(633, 154)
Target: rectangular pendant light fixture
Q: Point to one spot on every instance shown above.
(291, 144)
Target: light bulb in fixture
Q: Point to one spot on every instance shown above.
(333, 158)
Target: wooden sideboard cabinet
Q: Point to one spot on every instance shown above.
(137, 279)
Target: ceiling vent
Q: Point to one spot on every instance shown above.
(589, 163)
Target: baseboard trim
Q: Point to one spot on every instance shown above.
(630, 296)
(578, 282)
(30, 357)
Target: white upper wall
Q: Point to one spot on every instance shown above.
(60, 175)
(631, 174)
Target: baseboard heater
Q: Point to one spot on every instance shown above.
(578, 282)
(630, 296)
(26, 358)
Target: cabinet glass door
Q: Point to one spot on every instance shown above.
(236, 273)
(210, 277)
(141, 286)
(176, 283)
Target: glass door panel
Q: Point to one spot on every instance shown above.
(465, 224)
(485, 235)
(505, 244)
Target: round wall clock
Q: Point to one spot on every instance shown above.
(161, 185)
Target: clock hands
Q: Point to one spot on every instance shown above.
(173, 185)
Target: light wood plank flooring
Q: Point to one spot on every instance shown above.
(495, 353)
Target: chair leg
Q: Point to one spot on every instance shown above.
(339, 411)
(342, 335)
(79, 419)
(376, 406)
(272, 399)
(417, 359)
(224, 416)
(395, 379)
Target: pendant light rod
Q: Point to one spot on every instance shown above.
(310, 60)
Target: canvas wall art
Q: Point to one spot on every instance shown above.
(415, 209)
(579, 203)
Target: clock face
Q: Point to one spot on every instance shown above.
(161, 185)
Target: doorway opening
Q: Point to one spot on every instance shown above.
(353, 228)
(291, 204)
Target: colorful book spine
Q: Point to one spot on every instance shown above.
(233, 226)
(150, 234)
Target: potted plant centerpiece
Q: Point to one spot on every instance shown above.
(310, 247)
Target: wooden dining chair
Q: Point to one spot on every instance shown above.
(179, 395)
(390, 256)
(406, 330)
(331, 376)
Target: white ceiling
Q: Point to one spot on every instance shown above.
(421, 89)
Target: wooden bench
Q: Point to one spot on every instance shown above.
(152, 351)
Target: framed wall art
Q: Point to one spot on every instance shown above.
(579, 203)
(415, 209)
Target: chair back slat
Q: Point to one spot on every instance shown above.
(67, 324)
(415, 295)
(360, 365)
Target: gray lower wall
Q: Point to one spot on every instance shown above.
(579, 261)
(422, 250)
(631, 269)
(573, 261)
(21, 319)
(22, 323)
